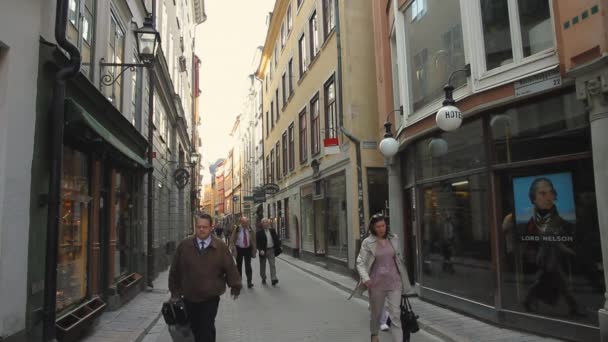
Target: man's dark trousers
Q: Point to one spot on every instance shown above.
(246, 254)
(202, 319)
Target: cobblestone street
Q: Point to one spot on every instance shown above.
(299, 308)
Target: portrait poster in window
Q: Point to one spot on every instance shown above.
(544, 207)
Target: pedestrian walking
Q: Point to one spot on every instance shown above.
(269, 247)
(243, 245)
(201, 268)
(383, 273)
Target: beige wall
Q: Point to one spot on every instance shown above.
(360, 116)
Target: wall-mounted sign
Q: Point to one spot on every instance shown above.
(271, 188)
(181, 177)
(538, 83)
(259, 196)
(331, 146)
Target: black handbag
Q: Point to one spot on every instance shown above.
(409, 320)
(174, 312)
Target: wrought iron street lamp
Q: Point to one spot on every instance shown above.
(449, 117)
(389, 146)
(147, 40)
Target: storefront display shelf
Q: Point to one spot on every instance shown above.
(71, 325)
(127, 286)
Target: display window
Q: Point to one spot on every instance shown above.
(455, 238)
(73, 230)
(552, 261)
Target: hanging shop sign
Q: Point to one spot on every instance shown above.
(181, 178)
(271, 188)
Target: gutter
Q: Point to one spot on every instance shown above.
(352, 138)
(150, 209)
(57, 111)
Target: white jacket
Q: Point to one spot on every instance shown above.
(366, 259)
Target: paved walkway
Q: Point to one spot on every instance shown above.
(132, 321)
(301, 308)
(443, 323)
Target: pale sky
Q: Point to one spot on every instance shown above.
(226, 44)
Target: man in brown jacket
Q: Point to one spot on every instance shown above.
(201, 268)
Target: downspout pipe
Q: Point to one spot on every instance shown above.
(352, 138)
(150, 209)
(56, 149)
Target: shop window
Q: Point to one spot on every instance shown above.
(73, 230)
(554, 126)
(451, 152)
(455, 235)
(551, 243)
(308, 243)
(335, 216)
(435, 48)
(122, 221)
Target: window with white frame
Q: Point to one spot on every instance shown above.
(329, 17)
(302, 54)
(135, 95)
(434, 48)
(283, 35)
(284, 89)
(514, 30)
(290, 76)
(315, 125)
(116, 55)
(80, 29)
(289, 19)
(313, 28)
(331, 110)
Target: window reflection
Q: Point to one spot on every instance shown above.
(456, 238)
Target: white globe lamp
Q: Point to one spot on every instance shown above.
(389, 146)
(449, 118)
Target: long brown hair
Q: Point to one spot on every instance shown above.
(375, 219)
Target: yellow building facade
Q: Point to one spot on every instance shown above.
(320, 132)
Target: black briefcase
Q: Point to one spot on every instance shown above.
(176, 316)
(175, 313)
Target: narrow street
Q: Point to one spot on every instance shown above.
(300, 308)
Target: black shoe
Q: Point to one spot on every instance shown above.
(274, 282)
(250, 285)
(264, 281)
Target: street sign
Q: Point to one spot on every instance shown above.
(247, 198)
(259, 197)
(537, 83)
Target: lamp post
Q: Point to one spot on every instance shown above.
(389, 147)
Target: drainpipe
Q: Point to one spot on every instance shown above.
(356, 141)
(56, 143)
(150, 231)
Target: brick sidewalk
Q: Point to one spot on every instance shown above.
(443, 323)
(132, 321)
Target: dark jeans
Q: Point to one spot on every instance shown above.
(202, 319)
(246, 254)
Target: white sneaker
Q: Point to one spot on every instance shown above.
(384, 327)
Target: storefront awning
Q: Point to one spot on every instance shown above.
(75, 113)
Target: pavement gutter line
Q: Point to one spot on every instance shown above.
(425, 325)
(147, 329)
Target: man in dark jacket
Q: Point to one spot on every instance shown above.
(269, 246)
(201, 268)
